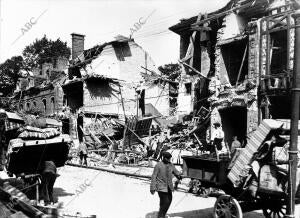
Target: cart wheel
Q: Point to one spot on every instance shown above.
(275, 210)
(227, 207)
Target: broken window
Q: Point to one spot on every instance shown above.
(276, 109)
(44, 105)
(235, 58)
(122, 50)
(278, 52)
(188, 88)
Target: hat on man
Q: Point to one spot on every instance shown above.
(166, 154)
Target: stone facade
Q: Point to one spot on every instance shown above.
(41, 91)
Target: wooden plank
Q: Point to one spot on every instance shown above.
(195, 70)
(241, 67)
(132, 132)
(190, 51)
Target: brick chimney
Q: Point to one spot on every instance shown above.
(77, 45)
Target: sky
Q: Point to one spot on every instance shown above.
(24, 21)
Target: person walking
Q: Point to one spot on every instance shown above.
(161, 181)
(82, 152)
(48, 179)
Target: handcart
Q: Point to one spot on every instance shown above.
(250, 180)
(212, 173)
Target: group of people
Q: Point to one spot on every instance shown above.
(217, 140)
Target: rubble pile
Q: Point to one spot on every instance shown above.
(103, 148)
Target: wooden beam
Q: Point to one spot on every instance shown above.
(214, 17)
(192, 68)
(201, 28)
(160, 77)
(131, 131)
(241, 66)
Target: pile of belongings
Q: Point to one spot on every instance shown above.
(29, 132)
(257, 165)
(34, 145)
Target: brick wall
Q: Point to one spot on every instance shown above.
(248, 98)
(53, 97)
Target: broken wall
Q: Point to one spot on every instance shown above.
(104, 97)
(158, 96)
(123, 61)
(48, 100)
(227, 93)
(277, 60)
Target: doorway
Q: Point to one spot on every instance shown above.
(234, 123)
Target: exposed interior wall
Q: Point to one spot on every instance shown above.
(232, 56)
(123, 61)
(103, 97)
(186, 95)
(277, 77)
(130, 68)
(158, 96)
(234, 24)
(230, 99)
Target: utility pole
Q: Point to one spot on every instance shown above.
(0, 27)
(293, 149)
(126, 123)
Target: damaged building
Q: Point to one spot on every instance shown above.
(238, 62)
(106, 81)
(40, 90)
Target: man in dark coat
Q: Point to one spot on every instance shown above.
(161, 182)
(48, 179)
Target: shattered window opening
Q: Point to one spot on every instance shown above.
(278, 52)
(232, 54)
(44, 105)
(188, 88)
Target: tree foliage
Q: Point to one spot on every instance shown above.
(10, 73)
(170, 71)
(34, 55)
(44, 50)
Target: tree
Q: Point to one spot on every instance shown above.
(44, 50)
(10, 73)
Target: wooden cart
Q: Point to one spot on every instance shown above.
(263, 194)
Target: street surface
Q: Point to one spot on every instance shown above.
(107, 195)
